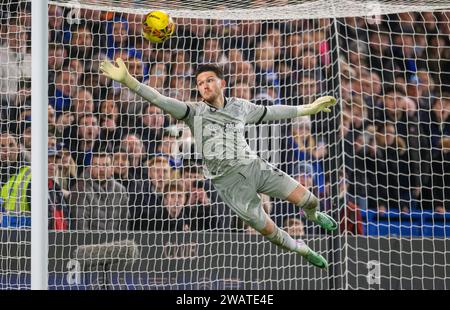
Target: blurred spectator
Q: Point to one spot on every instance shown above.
(117, 37)
(58, 209)
(25, 142)
(265, 65)
(150, 126)
(241, 90)
(242, 71)
(351, 220)
(436, 129)
(82, 139)
(57, 54)
(68, 171)
(171, 216)
(16, 187)
(121, 167)
(82, 103)
(404, 55)
(146, 195)
(98, 84)
(77, 68)
(438, 61)
(381, 55)
(198, 207)
(97, 201)
(274, 35)
(170, 147)
(134, 147)
(294, 227)
(10, 157)
(64, 88)
(213, 52)
(55, 23)
(180, 88)
(15, 63)
(158, 76)
(80, 42)
(110, 121)
(400, 178)
(303, 147)
(180, 65)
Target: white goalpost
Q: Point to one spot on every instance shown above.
(39, 93)
(117, 196)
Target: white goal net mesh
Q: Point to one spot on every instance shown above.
(129, 207)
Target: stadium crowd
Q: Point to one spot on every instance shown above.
(117, 162)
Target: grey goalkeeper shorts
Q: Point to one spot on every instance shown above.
(240, 189)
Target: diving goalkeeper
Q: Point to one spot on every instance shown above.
(238, 174)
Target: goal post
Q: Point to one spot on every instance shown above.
(118, 193)
(39, 94)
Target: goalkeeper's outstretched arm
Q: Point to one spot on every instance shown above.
(176, 108)
(279, 112)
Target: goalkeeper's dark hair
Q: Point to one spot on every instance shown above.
(210, 68)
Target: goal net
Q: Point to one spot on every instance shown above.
(129, 207)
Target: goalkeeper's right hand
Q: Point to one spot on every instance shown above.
(119, 74)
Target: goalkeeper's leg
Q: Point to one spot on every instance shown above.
(306, 200)
(282, 239)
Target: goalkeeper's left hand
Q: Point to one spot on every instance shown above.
(319, 105)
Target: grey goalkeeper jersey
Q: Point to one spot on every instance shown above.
(219, 133)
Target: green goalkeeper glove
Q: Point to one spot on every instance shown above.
(119, 74)
(319, 105)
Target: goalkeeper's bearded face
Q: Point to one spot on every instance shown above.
(210, 86)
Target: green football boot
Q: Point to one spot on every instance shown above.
(316, 259)
(325, 221)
